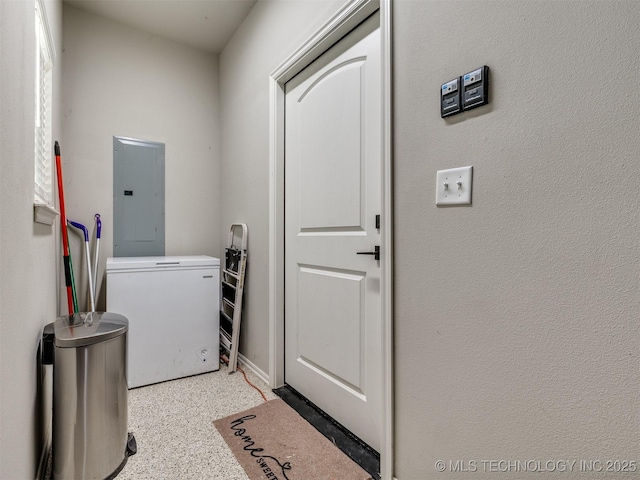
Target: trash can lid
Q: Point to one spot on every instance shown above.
(82, 329)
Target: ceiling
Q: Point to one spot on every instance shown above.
(203, 24)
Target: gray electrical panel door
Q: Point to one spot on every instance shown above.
(138, 198)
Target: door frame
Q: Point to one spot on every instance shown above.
(345, 20)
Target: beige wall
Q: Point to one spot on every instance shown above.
(272, 31)
(28, 250)
(516, 323)
(125, 82)
(516, 318)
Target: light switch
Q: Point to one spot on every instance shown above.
(453, 186)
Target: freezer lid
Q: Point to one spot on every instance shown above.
(83, 329)
(132, 263)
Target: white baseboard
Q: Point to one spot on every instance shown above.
(252, 366)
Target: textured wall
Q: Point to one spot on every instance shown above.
(272, 31)
(516, 319)
(124, 82)
(28, 252)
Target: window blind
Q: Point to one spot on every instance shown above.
(43, 152)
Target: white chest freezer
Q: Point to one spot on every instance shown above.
(172, 304)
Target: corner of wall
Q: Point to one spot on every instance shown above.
(28, 258)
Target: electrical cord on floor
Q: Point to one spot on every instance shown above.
(226, 362)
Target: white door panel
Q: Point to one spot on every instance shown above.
(332, 195)
(330, 154)
(324, 330)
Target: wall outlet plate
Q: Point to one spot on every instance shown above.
(453, 186)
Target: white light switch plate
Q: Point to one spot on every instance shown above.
(453, 186)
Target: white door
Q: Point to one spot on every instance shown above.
(332, 196)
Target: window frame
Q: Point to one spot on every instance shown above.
(43, 202)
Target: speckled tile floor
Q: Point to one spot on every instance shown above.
(173, 426)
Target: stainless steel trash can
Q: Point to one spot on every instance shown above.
(90, 439)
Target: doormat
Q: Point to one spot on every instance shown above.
(272, 442)
(353, 447)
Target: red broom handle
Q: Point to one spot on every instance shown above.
(63, 228)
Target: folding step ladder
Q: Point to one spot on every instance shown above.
(232, 287)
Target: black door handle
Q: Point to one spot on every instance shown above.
(375, 253)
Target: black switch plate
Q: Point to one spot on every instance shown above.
(450, 98)
(475, 88)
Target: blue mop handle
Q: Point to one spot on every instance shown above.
(80, 227)
(96, 255)
(85, 230)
